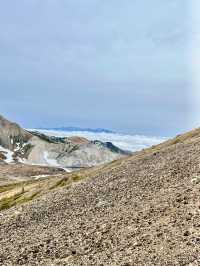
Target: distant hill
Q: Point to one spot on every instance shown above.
(31, 147)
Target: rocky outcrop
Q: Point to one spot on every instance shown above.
(12, 135)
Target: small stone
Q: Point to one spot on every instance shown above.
(186, 233)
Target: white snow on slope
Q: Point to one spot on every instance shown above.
(125, 142)
(52, 162)
(8, 154)
(49, 161)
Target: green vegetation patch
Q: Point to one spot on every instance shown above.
(4, 188)
(22, 192)
(7, 187)
(17, 199)
(60, 183)
(77, 177)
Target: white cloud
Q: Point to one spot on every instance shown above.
(126, 142)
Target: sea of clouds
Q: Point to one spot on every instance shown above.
(123, 141)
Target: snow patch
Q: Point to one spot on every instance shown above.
(8, 154)
(67, 170)
(50, 161)
(53, 162)
(37, 177)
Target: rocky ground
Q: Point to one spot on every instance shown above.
(10, 173)
(144, 210)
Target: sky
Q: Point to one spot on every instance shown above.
(195, 60)
(121, 65)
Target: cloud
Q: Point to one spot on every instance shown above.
(112, 63)
(126, 142)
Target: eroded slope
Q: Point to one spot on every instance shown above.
(144, 210)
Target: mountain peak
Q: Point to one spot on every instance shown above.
(11, 133)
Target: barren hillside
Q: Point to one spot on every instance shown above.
(143, 210)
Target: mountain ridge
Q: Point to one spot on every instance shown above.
(32, 147)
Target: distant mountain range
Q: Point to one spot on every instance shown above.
(70, 129)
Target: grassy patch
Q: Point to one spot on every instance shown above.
(17, 199)
(67, 181)
(20, 193)
(7, 187)
(8, 202)
(176, 141)
(60, 183)
(77, 178)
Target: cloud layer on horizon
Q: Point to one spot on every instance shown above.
(124, 141)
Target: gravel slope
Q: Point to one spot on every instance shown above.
(144, 210)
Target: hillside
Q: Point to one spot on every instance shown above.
(18, 145)
(142, 210)
(12, 134)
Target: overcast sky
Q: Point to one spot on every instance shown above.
(115, 64)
